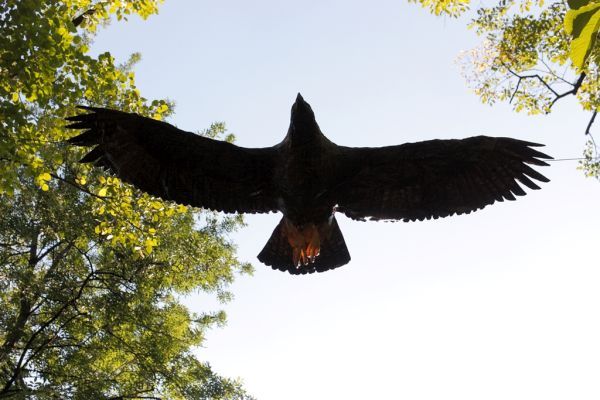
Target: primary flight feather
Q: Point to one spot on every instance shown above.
(308, 178)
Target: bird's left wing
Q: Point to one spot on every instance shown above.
(435, 178)
(175, 165)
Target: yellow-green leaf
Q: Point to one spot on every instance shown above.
(576, 4)
(583, 25)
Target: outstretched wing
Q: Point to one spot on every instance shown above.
(176, 165)
(436, 178)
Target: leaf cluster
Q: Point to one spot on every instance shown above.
(452, 8)
(534, 53)
(582, 23)
(91, 269)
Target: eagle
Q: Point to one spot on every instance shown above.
(308, 178)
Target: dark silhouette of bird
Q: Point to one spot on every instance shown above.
(308, 178)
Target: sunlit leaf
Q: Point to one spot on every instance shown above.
(100, 288)
(583, 24)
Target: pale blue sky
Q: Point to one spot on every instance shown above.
(499, 304)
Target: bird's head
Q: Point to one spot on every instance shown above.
(302, 115)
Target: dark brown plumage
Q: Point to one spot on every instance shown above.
(308, 178)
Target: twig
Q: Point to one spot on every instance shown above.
(557, 96)
(60, 178)
(573, 91)
(48, 250)
(589, 125)
(532, 76)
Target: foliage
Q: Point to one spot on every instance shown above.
(452, 8)
(534, 53)
(91, 269)
(582, 22)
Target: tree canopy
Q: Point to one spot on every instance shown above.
(91, 269)
(533, 54)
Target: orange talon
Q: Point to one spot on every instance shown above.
(296, 257)
(304, 241)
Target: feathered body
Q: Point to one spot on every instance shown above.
(308, 178)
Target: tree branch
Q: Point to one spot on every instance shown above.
(17, 330)
(557, 96)
(573, 91)
(57, 259)
(53, 337)
(48, 250)
(21, 363)
(80, 18)
(524, 77)
(15, 333)
(75, 185)
(589, 125)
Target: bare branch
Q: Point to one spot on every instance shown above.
(532, 76)
(557, 96)
(48, 250)
(573, 91)
(589, 125)
(554, 74)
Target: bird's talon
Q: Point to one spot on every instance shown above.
(305, 242)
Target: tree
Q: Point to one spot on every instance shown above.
(91, 270)
(535, 53)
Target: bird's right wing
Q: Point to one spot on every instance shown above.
(175, 165)
(435, 178)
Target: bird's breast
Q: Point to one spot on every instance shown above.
(305, 175)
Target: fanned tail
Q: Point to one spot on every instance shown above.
(278, 253)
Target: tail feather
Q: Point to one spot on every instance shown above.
(277, 253)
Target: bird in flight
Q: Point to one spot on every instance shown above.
(308, 178)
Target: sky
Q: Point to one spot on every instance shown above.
(502, 303)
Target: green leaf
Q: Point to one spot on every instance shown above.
(114, 267)
(577, 19)
(583, 25)
(577, 4)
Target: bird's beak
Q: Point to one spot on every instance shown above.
(301, 111)
(300, 104)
